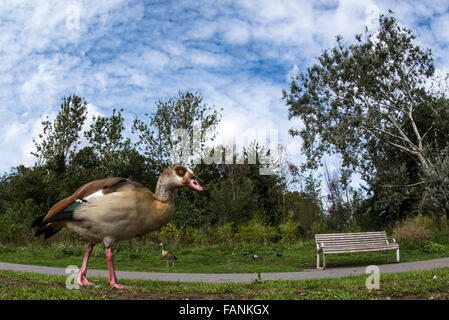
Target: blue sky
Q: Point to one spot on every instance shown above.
(127, 54)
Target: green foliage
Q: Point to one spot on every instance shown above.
(59, 140)
(108, 144)
(15, 222)
(170, 233)
(230, 203)
(318, 227)
(433, 247)
(289, 230)
(225, 233)
(436, 180)
(257, 232)
(157, 134)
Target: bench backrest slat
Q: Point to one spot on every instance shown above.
(342, 239)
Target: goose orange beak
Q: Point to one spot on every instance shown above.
(193, 184)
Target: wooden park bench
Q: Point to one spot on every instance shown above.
(352, 242)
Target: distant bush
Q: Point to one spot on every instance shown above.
(256, 231)
(414, 229)
(225, 233)
(317, 228)
(15, 222)
(433, 247)
(170, 233)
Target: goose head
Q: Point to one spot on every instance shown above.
(174, 178)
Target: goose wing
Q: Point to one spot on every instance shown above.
(62, 211)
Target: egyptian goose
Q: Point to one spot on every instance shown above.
(168, 255)
(115, 209)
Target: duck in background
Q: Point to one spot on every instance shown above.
(168, 255)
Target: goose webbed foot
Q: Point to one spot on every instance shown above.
(82, 280)
(113, 283)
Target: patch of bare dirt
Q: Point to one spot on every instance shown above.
(16, 283)
(165, 295)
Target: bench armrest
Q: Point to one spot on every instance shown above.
(319, 246)
(392, 239)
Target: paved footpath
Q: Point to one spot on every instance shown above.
(239, 277)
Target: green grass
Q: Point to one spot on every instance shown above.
(408, 285)
(135, 256)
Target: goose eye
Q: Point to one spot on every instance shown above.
(181, 172)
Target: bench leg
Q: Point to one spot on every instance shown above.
(324, 261)
(318, 260)
(397, 255)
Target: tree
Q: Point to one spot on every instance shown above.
(362, 98)
(106, 139)
(59, 140)
(157, 133)
(341, 199)
(437, 183)
(371, 104)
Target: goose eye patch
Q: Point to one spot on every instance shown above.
(180, 171)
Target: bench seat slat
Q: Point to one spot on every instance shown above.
(361, 247)
(365, 244)
(358, 250)
(353, 241)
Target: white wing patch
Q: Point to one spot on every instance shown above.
(98, 193)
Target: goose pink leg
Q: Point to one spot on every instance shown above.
(82, 280)
(112, 277)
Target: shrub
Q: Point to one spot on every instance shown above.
(433, 247)
(414, 230)
(256, 231)
(193, 235)
(169, 233)
(15, 222)
(225, 233)
(317, 228)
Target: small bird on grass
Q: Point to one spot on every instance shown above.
(255, 257)
(279, 255)
(168, 255)
(244, 253)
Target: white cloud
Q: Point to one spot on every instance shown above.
(17, 142)
(18, 137)
(236, 31)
